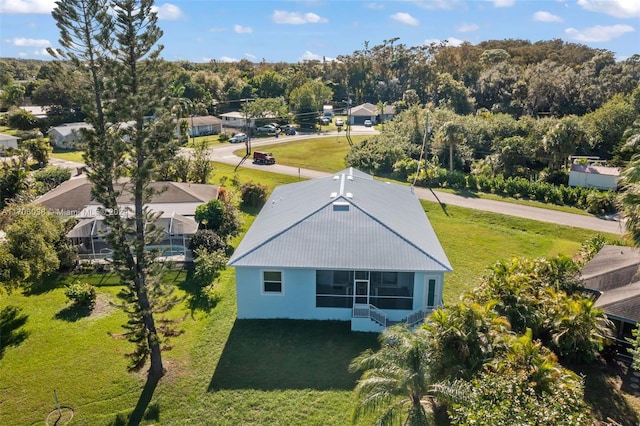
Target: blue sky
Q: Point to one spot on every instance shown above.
(296, 30)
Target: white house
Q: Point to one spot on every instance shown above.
(204, 125)
(236, 120)
(592, 176)
(8, 141)
(344, 247)
(66, 135)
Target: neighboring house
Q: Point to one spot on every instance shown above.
(386, 114)
(204, 125)
(236, 120)
(8, 141)
(36, 111)
(368, 111)
(614, 276)
(344, 247)
(66, 135)
(592, 176)
(360, 113)
(175, 201)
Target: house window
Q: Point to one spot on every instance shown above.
(272, 282)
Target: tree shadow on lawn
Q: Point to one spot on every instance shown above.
(290, 354)
(198, 298)
(11, 322)
(143, 410)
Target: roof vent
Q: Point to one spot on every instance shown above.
(334, 194)
(336, 177)
(340, 206)
(349, 177)
(349, 195)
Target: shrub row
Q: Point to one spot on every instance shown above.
(593, 200)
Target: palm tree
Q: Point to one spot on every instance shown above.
(396, 378)
(629, 199)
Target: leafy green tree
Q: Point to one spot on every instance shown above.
(113, 48)
(12, 94)
(39, 149)
(449, 135)
(13, 180)
(396, 379)
(22, 120)
(29, 252)
(220, 217)
(306, 101)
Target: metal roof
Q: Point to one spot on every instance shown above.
(345, 221)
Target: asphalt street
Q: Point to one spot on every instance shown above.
(612, 225)
(224, 154)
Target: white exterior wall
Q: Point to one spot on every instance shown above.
(593, 180)
(9, 143)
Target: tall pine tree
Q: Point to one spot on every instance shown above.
(113, 46)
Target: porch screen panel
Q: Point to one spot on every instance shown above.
(392, 290)
(334, 289)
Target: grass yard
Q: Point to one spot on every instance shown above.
(224, 371)
(68, 155)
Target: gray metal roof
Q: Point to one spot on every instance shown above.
(345, 221)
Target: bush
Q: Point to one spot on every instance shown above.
(207, 240)
(52, 176)
(81, 294)
(601, 202)
(253, 194)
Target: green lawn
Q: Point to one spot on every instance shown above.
(224, 371)
(68, 155)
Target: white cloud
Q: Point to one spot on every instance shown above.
(309, 56)
(168, 12)
(617, 8)
(504, 3)
(30, 42)
(542, 16)
(599, 33)
(27, 6)
(250, 56)
(405, 18)
(437, 4)
(375, 6)
(450, 41)
(467, 28)
(239, 29)
(296, 18)
(228, 59)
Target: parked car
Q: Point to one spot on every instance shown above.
(288, 129)
(324, 120)
(339, 122)
(367, 123)
(269, 128)
(239, 137)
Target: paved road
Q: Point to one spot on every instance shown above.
(612, 225)
(224, 154)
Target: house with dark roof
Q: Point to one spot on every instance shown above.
(175, 202)
(345, 247)
(614, 276)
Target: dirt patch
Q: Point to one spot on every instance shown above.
(103, 306)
